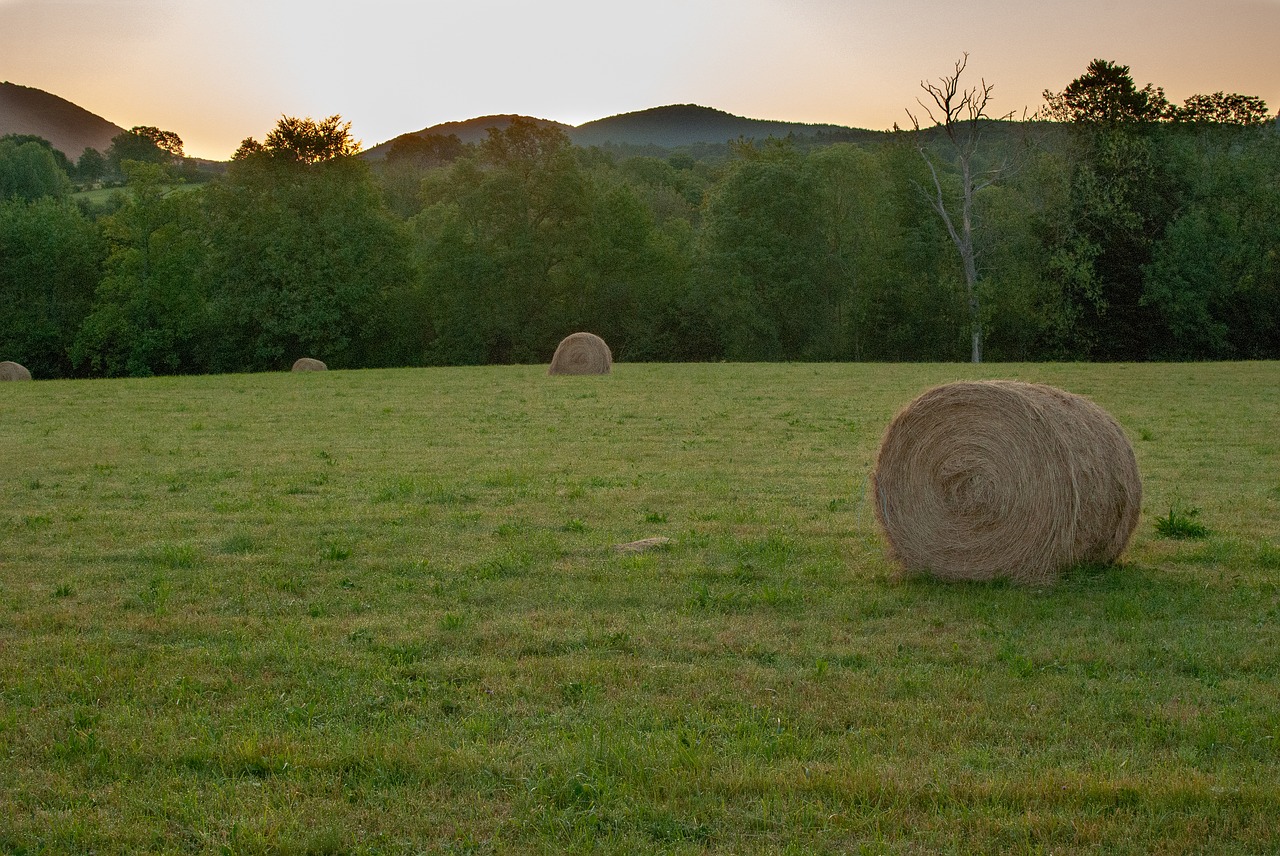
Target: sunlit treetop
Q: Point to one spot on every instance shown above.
(165, 141)
(1106, 95)
(304, 141)
(1223, 109)
(145, 144)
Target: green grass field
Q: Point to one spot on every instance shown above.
(381, 612)
(101, 197)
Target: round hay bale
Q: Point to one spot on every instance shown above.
(10, 370)
(581, 354)
(306, 364)
(1000, 479)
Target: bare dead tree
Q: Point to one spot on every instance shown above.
(960, 114)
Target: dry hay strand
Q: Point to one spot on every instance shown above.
(581, 354)
(644, 545)
(1000, 479)
(10, 370)
(306, 364)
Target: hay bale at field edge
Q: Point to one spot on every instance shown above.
(980, 480)
(581, 354)
(307, 364)
(10, 370)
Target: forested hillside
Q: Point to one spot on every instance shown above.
(702, 132)
(1100, 236)
(690, 124)
(69, 128)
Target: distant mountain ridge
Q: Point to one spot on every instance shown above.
(70, 128)
(690, 124)
(668, 127)
(468, 131)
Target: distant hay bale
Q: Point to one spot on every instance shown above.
(581, 354)
(10, 370)
(306, 364)
(1000, 479)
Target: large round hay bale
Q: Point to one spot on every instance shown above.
(1000, 479)
(306, 364)
(10, 370)
(581, 354)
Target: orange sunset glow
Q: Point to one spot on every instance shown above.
(216, 73)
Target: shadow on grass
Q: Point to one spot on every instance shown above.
(1123, 590)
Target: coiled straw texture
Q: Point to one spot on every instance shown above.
(9, 370)
(309, 364)
(1000, 479)
(581, 354)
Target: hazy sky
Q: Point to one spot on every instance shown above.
(217, 71)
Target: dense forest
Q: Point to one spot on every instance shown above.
(1111, 226)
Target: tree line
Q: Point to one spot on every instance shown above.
(1114, 226)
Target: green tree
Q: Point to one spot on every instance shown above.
(863, 264)
(306, 260)
(673, 188)
(305, 141)
(29, 170)
(249, 147)
(1223, 109)
(425, 150)
(92, 166)
(166, 141)
(761, 248)
(921, 314)
(409, 158)
(1106, 95)
(1122, 198)
(500, 237)
(59, 158)
(668, 319)
(50, 262)
(629, 281)
(150, 312)
(1020, 302)
(1214, 278)
(144, 144)
(1122, 195)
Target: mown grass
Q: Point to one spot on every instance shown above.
(380, 612)
(104, 197)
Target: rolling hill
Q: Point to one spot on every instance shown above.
(666, 127)
(71, 129)
(469, 131)
(690, 124)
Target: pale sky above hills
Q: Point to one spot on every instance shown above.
(217, 71)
